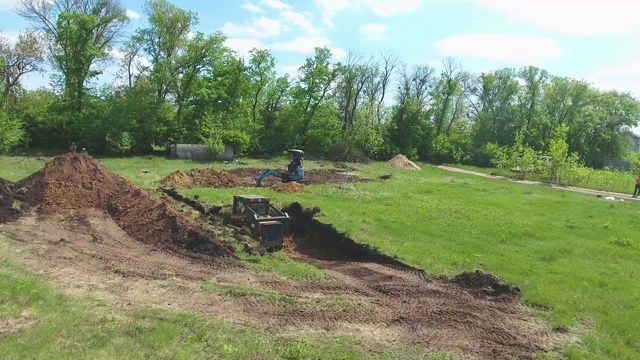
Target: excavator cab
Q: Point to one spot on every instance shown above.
(295, 170)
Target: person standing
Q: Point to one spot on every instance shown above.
(636, 192)
(72, 148)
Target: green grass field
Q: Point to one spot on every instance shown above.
(574, 256)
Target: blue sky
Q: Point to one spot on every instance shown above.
(592, 40)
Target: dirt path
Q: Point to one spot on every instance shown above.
(529, 182)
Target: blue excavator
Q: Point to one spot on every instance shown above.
(294, 173)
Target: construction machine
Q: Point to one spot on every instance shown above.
(255, 216)
(294, 173)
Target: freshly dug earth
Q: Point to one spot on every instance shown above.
(402, 162)
(9, 201)
(245, 177)
(204, 178)
(289, 188)
(77, 182)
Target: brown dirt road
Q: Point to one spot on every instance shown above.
(529, 182)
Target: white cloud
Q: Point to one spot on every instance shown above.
(620, 78)
(243, 46)
(8, 5)
(337, 53)
(276, 4)
(523, 50)
(132, 14)
(11, 36)
(305, 44)
(586, 17)
(261, 27)
(291, 70)
(328, 9)
(383, 8)
(299, 19)
(388, 8)
(374, 31)
(253, 8)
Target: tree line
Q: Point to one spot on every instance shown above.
(177, 85)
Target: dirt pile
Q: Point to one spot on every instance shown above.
(487, 285)
(288, 188)
(401, 162)
(76, 182)
(9, 209)
(245, 177)
(205, 178)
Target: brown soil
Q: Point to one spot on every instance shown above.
(245, 177)
(290, 187)
(402, 162)
(9, 201)
(203, 177)
(76, 181)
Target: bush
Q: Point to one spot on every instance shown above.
(237, 139)
(11, 132)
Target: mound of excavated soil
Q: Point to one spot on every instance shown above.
(8, 209)
(488, 285)
(203, 177)
(289, 188)
(245, 177)
(76, 181)
(401, 162)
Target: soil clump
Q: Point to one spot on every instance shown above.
(288, 188)
(77, 182)
(487, 285)
(402, 162)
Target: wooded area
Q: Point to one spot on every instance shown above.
(181, 86)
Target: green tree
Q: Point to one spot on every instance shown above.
(495, 105)
(24, 57)
(163, 41)
(316, 79)
(80, 34)
(447, 97)
(261, 70)
(409, 130)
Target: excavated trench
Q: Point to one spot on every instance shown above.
(323, 242)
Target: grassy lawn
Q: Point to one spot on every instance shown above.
(614, 181)
(574, 256)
